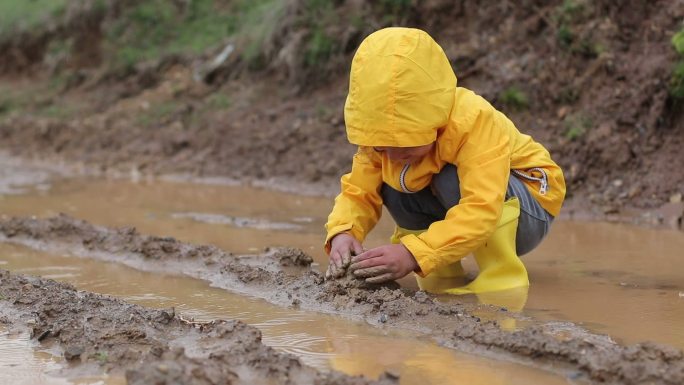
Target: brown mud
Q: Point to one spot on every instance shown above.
(151, 346)
(284, 277)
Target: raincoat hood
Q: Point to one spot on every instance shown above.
(401, 90)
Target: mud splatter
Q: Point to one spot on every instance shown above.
(285, 277)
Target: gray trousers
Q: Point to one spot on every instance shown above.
(416, 211)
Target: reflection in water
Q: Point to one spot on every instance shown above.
(321, 341)
(20, 364)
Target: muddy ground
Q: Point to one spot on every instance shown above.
(150, 346)
(286, 277)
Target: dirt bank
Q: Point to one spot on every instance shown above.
(151, 346)
(285, 277)
(589, 80)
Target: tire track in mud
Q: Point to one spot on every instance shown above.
(284, 277)
(153, 346)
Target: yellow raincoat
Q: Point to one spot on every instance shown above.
(403, 93)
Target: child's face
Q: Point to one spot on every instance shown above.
(406, 154)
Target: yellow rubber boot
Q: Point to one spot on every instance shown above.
(500, 266)
(439, 280)
(442, 279)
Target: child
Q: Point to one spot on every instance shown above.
(455, 174)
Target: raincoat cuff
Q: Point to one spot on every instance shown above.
(424, 255)
(334, 231)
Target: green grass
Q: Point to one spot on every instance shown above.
(576, 125)
(157, 112)
(567, 15)
(217, 101)
(7, 105)
(514, 97)
(570, 9)
(676, 87)
(101, 357)
(25, 14)
(565, 36)
(678, 42)
(154, 28)
(255, 24)
(319, 49)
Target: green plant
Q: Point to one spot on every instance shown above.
(320, 48)
(589, 49)
(677, 81)
(27, 14)
(514, 97)
(570, 9)
(257, 22)
(6, 106)
(676, 88)
(101, 357)
(576, 125)
(155, 28)
(218, 100)
(565, 36)
(569, 13)
(678, 42)
(396, 7)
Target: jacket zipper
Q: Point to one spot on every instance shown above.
(543, 181)
(402, 179)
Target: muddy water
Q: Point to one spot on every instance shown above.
(23, 362)
(321, 341)
(620, 280)
(19, 363)
(615, 279)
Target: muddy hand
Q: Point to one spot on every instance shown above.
(384, 263)
(342, 248)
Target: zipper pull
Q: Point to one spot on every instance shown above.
(544, 186)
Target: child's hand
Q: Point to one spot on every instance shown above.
(342, 247)
(384, 263)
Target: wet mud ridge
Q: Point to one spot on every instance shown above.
(285, 277)
(152, 346)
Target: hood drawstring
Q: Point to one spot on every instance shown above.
(543, 181)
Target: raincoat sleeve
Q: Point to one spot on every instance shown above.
(483, 163)
(359, 205)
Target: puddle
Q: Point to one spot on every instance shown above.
(321, 341)
(23, 362)
(614, 279)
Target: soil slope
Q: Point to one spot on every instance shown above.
(590, 80)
